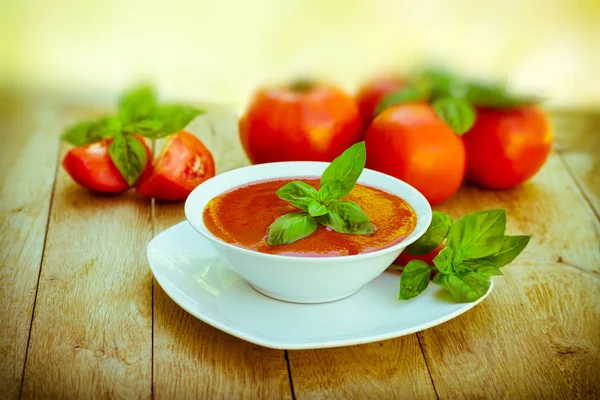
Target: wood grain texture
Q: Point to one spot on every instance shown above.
(193, 359)
(537, 333)
(392, 369)
(577, 137)
(28, 157)
(92, 328)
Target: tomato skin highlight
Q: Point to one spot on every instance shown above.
(183, 164)
(411, 143)
(371, 93)
(91, 167)
(314, 124)
(507, 147)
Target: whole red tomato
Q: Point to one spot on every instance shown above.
(91, 167)
(507, 147)
(300, 122)
(373, 92)
(183, 164)
(411, 143)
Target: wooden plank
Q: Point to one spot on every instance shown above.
(577, 136)
(28, 158)
(193, 359)
(537, 333)
(392, 369)
(92, 328)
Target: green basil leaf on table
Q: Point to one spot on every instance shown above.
(433, 237)
(347, 217)
(496, 96)
(87, 132)
(478, 234)
(511, 247)
(291, 227)
(465, 286)
(129, 156)
(484, 268)
(163, 121)
(136, 104)
(79, 134)
(456, 112)
(330, 192)
(414, 279)
(346, 168)
(443, 261)
(298, 193)
(403, 96)
(316, 209)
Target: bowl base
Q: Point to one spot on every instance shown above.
(304, 300)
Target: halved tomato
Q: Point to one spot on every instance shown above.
(183, 164)
(91, 167)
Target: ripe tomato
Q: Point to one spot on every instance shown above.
(507, 147)
(373, 92)
(411, 143)
(301, 122)
(404, 258)
(183, 164)
(91, 167)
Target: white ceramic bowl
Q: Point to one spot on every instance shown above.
(303, 279)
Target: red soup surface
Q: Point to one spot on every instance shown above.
(243, 215)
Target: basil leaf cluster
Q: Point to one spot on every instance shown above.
(323, 206)
(454, 97)
(139, 114)
(476, 249)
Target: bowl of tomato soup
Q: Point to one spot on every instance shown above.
(234, 210)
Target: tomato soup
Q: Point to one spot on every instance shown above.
(243, 215)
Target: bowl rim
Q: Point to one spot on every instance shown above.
(412, 237)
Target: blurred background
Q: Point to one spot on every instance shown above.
(88, 51)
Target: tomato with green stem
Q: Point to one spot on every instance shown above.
(304, 121)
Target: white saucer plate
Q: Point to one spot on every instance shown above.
(199, 281)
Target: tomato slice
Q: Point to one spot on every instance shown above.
(91, 167)
(183, 164)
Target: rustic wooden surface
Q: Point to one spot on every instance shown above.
(82, 317)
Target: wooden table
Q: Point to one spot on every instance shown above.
(81, 315)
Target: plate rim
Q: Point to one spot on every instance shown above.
(305, 345)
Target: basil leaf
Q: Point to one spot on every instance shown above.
(316, 209)
(87, 132)
(298, 193)
(496, 96)
(347, 217)
(464, 287)
(403, 96)
(346, 168)
(484, 268)
(164, 121)
(443, 261)
(136, 104)
(330, 192)
(511, 247)
(457, 113)
(478, 234)
(441, 82)
(129, 156)
(433, 237)
(291, 227)
(414, 279)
